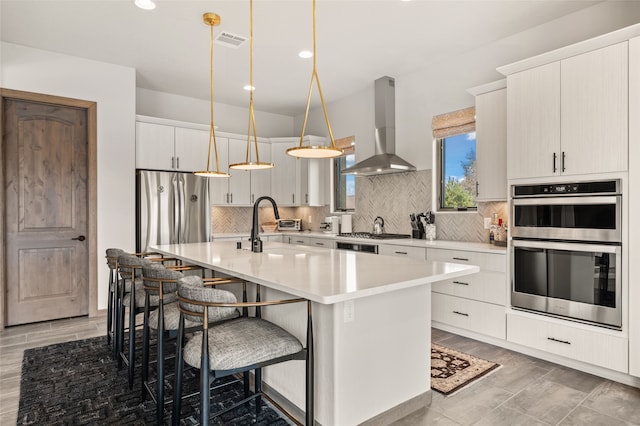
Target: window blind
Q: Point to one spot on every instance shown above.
(454, 123)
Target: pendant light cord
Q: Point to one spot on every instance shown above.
(314, 75)
(252, 116)
(212, 132)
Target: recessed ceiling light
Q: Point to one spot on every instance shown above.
(145, 4)
(249, 88)
(305, 54)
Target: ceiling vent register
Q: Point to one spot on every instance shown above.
(230, 40)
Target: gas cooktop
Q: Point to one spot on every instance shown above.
(374, 236)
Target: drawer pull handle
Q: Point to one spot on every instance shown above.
(401, 252)
(320, 244)
(566, 342)
(461, 258)
(460, 282)
(461, 313)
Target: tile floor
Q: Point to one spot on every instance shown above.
(524, 391)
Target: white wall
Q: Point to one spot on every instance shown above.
(112, 87)
(228, 118)
(442, 87)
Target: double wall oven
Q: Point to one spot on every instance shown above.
(566, 250)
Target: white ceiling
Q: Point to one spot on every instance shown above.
(357, 41)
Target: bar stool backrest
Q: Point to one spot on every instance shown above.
(112, 257)
(128, 263)
(192, 288)
(155, 273)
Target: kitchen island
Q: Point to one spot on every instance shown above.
(372, 323)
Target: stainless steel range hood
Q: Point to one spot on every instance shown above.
(385, 160)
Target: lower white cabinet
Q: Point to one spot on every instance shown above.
(404, 251)
(479, 317)
(321, 242)
(474, 302)
(599, 347)
(299, 240)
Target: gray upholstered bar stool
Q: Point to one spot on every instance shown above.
(130, 270)
(112, 262)
(234, 346)
(160, 284)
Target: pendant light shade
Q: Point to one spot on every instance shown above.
(315, 151)
(212, 20)
(248, 164)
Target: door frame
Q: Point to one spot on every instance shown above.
(92, 167)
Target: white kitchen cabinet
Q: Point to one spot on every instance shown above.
(298, 182)
(235, 190)
(261, 179)
(594, 111)
(475, 302)
(633, 195)
(533, 122)
(402, 251)
(168, 147)
(491, 145)
(479, 317)
(569, 117)
(298, 240)
(605, 348)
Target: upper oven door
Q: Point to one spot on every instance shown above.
(572, 218)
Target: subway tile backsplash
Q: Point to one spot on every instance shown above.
(392, 196)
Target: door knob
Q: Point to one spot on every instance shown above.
(80, 238)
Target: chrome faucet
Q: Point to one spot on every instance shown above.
(256, 242)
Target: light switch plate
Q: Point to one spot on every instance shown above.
(487, 222)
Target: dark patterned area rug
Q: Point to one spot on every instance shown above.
(78, 383)
(452, 370)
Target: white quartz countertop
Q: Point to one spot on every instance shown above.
(322, 275)
(409, 242)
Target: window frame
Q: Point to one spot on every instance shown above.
(334, 182)
(440, 177)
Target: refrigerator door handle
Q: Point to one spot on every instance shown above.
(178, 216)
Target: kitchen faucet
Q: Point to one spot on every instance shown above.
(256, 242)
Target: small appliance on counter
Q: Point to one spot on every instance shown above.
(289, 224)
(331, 225)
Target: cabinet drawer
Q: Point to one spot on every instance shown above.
(479, 317)
(486, 261)
(488, 286)
(299, 240)
(406, 251)
(321, 242)
(590, 346)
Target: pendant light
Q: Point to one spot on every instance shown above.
(251, 165)
(212, 20)
(315, 151)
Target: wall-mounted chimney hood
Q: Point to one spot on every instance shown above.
(385, 160)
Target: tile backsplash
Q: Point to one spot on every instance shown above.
(394, 196)
(391, 196)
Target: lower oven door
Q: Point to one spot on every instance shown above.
(573, 280)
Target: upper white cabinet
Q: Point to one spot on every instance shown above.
(570, 116)
(166, 147)
(491, 141)
(298, 182)
(261, 179)
(236, 189)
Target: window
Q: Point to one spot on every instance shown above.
(344, 186)
(457, 172)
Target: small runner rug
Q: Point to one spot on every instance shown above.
(78, 383)
(452, 370)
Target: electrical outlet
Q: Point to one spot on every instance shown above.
(309, 218)
(349, 311)
(487, 222)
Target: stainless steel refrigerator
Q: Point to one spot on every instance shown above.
(172, 207)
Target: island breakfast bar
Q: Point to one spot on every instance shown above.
(372, 323)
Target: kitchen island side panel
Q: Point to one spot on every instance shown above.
(364, 366)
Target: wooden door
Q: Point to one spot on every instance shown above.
(45, 150)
